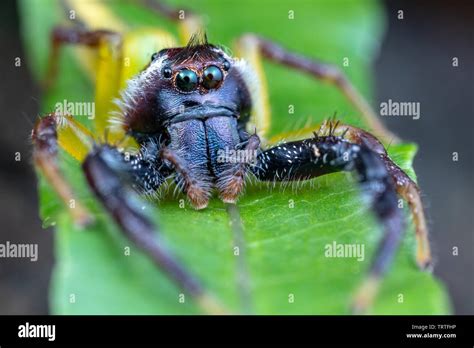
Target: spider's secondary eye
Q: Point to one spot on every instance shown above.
(226, 65)
(186, 80)
(212, 77)
(154, 56)
(167, 72)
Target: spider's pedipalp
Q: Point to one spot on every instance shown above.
(191, 180)
(232, 179)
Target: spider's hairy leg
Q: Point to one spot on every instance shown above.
(405, 186)
(309, 158)
(254, 47)
(53, 131)
(109, 177)
(108, 45)
(120, 53)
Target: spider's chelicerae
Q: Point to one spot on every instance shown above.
(199, 116)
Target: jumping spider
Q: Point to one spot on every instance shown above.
(191, 102)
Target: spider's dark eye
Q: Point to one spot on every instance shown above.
(186, 80)
(154, 56)
(167, 72)
(212, 77)
(226, 65)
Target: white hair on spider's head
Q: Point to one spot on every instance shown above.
(250, 77)
(134, 92)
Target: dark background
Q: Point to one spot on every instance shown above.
(414, 65)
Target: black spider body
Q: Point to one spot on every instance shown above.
(189, 111)
(186, 127)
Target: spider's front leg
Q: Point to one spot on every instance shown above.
(309, 158)
(49, 134)
(76, 35)
(115, 181)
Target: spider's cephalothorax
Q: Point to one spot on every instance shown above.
(195, 101)
(188, 110)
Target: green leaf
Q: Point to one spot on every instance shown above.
(286, 228)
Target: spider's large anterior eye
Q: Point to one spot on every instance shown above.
(212, 77)
(186, 80)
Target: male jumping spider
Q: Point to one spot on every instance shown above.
(188, 104)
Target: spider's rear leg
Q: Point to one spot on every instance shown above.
(321, 155)
(73, 138)
(110, 178)
(253, 48)
(77, 35)
(405, 186)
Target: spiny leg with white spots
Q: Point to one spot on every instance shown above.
(353, 151)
